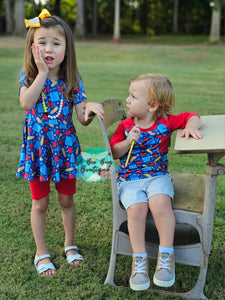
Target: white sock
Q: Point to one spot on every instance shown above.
(142, 255)
(166, 250)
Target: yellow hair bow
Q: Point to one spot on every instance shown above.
(35, 22)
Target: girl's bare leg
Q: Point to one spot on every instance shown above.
(66, 203)
(38, 216)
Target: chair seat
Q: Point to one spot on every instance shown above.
(185, 234)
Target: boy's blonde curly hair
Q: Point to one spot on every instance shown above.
(160, 90)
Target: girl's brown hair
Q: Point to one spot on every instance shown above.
(68, 70)
(160, 90)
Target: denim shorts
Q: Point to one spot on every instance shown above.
(139, 191)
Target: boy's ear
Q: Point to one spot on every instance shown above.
(153, 106)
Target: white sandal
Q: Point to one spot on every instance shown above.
(43, 267)
(70, 258)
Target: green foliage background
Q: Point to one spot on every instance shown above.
(148, 17)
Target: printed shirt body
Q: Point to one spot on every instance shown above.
(149, 155)
(50, 147)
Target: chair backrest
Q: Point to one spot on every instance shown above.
(114, 111)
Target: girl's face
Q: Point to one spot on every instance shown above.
(52, 44)
(137, 101)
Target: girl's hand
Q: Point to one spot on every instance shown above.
(38, 59)
(93, 108)
(134, 134)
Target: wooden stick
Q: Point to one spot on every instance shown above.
(128, 157)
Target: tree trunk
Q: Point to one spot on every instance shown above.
(1, 27)
(57, 8)
(79, 27)
(175, 16)
(94, 18)
(20, 28)
(214, 37)
(9, 17)
(116, 33)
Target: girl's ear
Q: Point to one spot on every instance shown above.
(153, 105)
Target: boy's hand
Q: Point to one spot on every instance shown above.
(134, 134)
(190, 131)
(192, 128)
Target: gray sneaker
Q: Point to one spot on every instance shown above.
(139, 279)
(165, 270)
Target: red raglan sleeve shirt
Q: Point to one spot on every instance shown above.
(149, 154)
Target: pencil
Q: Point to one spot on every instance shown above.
(128, 157)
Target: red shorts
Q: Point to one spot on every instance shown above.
(40, 190)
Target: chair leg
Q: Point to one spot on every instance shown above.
(111, 271)
(197, 291)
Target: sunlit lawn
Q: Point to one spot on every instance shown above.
(197, 72)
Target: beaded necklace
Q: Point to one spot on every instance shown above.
(50, 116)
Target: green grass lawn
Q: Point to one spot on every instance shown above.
(197, 72)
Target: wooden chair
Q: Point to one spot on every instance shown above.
(193, 206)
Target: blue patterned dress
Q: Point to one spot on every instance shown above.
(50, 147)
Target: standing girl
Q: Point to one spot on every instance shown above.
(50, 86)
